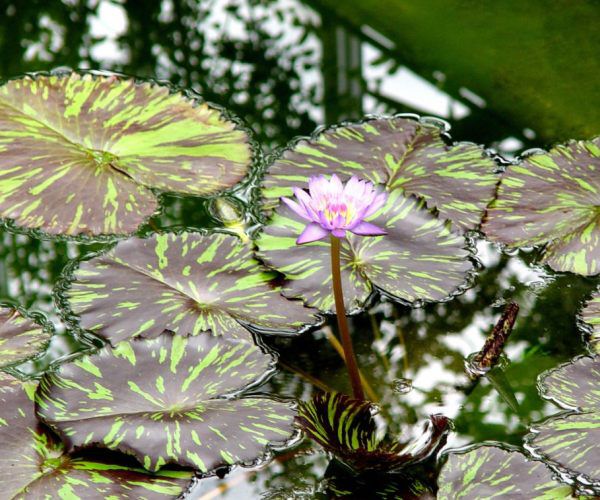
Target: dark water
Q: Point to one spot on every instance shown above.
(262, 60)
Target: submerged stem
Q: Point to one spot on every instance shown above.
(338, 295)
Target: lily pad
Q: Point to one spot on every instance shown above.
(400, 153)
(486, 472)
(419, 259)
(187, 283)
(168, 400)
(33, 463)
(81, 153)
(21, 337)
(591, 319)
(571, 441)
(552, 198)
(346, 428)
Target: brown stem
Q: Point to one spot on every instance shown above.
(338, 295)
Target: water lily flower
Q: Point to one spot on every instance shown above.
(334, 208)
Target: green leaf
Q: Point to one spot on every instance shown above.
(80, 153)
(21, 337)
(419, 259)
(590, 316)
(571, 441)
(346, 428)
(187, 283)
(401, 153)
(553, 198)
(485, 472)
(33, 464)
(168, 400)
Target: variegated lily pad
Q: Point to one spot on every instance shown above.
(20, 337)
(591, 319)
(571, 441)
(79, 154)
(400, 153)
(168, 400)
(33, 464)
(187, 283)
(486, 472)
(419, 259)
(346, 428)
(552, 198)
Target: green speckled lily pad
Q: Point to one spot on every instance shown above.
(187, 283)
(20, 337)
(486, 472)
(590, 315)
(571, 441)
(168, 400)
(400, 153)
(80, 153)
(419, 259)
(552, 198)
(34, 465)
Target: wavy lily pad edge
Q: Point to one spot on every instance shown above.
(40, 320)
(263, 214)
(257, 155)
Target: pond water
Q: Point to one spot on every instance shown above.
(413, 359)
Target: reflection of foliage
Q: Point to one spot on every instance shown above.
(257, 76)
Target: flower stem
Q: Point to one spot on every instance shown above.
(338, 295)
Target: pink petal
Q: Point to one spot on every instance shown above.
(296, 208)
(312, 232)
(377, 203)
(306, 202)
(317, 185)
(339, 233)
(336, 184)
(352, 186)
(368, 229)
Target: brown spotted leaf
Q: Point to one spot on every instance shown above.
(33, 463)
(419, 259)
(552, 198)
(20, 337)
(168, 400)
(400, 153)
(79, 154)
(187, 283)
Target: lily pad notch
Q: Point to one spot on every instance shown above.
(84, 153)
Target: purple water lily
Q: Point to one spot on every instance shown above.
(334, 208)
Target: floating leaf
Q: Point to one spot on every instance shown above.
(591, 318)
(187, 283)
(553, 198)
(168, 400)
(571, 441)
(401, 153)
(33, 464)
(345, 427)
(79, 154)
(486, 472)
(418, 258)
(20, 337)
